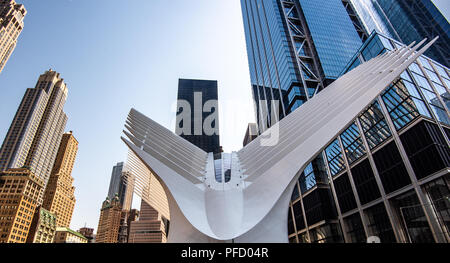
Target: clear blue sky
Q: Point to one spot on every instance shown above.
(116, 54)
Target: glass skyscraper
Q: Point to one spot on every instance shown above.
(406, 21)
(202, 103)
(35, 133)
(295, 48)
(376, 178)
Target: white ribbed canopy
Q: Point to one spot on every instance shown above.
(252, 206)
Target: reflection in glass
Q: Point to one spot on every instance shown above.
(374, 125)
(353, 144)
(335, 158)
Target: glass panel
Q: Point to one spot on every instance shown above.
(433, 76)
(415, 68)
(355, 229)
(422, 81)
(379, 224)
(335, 157)
(441, 114)
(425, 63)
(314, 173)
(441, 71)
(412, 216)
(353, 144)
(402, 107)
(374, 125)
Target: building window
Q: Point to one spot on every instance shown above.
(404, 103)
(374, 125)
(344, 193)
(412, 216)
(352, 143)
(355, 229)
(365, 182)
(392, 171)
(291, 228)
(379, 224)
(430, 153)
(298, 216)
(313, 174)
(335, 158)
(438, 192)
(318, 206)
(330, 233)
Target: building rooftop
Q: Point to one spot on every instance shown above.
(66, 229)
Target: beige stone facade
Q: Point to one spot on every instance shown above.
(43, 227)
(11, 25)
(19, 193)
(109, 222)
(59, 196)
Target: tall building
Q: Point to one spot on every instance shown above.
(37, 128)
(152, 227)
(121, 184)
(272, 29)
(43, 227)
(407, 21)
(388, 171)
(109, 222)
(199, 114)
(295, 48)
(59, 197)
(19, 190)
(11, 25)
(114, 183)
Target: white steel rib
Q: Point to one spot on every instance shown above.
(252, 206)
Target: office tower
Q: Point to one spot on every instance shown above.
(121, 184)
(114, 183)
(295, 48)
(59, 196)
(315, 214)
(37, 128)
(20, 187)
(197, 113)
(388, 170)
(11, 25)
(43, 227)
(67, 235)
(251, 133)
(109, 222)
(407, 21)
(87, 233)
(152, 227)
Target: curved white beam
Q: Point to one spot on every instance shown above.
(255, 201)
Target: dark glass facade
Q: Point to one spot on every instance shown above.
(295, 48)
(207, 91)
(348, 193)
(407, 21)
(387, 172)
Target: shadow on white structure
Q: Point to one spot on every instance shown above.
(245, 196)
